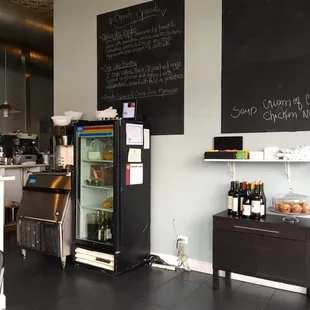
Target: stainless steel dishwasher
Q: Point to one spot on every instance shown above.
(44, 219)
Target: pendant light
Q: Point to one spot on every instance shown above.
(5, 107)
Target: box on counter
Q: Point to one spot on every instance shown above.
(271, 153)
(102, 173)
(220, 155)
(256, 155)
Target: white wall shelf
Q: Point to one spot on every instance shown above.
(232, 167)
(258, 161)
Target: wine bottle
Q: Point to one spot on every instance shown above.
(263, 201)
(255, 203)
(236, 195)
(252, 188)
(99, 224)
(242, 195)
(107, 231)
(230, 197)
(246, 208)
(109, 228)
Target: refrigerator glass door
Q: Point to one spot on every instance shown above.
(94, 212)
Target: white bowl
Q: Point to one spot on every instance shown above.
(61, 120)
(75, 116)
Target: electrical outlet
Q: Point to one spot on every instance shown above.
(184, 239)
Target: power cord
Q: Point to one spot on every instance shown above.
(182, 258)
(152, 259)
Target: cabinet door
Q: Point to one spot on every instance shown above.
(234, 251)
(281, 260)
(308, 258)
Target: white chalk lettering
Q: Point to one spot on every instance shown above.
(308, 99)
(271, 104)
(282, 115)
(238, 112)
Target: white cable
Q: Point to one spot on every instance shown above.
(182, 257)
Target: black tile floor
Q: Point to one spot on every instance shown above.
(39, 283)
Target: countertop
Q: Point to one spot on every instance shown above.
(304, 221)
(21, 166)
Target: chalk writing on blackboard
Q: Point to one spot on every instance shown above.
(141, 56)
(275, 110)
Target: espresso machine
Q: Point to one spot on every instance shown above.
(61, 146)
(21, 148)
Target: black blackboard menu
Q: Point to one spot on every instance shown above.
(140, 52)
(265, 66)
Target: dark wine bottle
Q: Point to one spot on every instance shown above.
(236, 195)
(242, 195)
(255, 203)
(230, 197)
(246, 208)
(263, 200)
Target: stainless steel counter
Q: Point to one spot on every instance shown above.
(21, 166)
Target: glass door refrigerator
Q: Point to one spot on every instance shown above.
(111, 194)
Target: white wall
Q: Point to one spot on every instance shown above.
(183, 186)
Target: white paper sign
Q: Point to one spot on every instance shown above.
(136, 174)
(134, 156)
(134, 134)
(146, 138)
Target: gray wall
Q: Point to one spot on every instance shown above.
(15, 96)
(41, 98)
(183, 186)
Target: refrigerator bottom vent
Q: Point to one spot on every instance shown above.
(96, 259)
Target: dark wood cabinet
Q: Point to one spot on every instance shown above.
(281, 260)
(233, 252)
(268, 249)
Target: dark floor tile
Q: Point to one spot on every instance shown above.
(284, 307)
(242, 302)
(145, 305)
(289, 299)
(172, 293)
(19, 308)
(255, 290)
(227, 287)
(193, 276)
(63, 304)
(210, 300)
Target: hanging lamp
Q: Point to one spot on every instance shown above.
(5, 107)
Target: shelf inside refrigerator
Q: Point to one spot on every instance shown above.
(98, 187)
(97, 241)
(97, 161)
(97, 207)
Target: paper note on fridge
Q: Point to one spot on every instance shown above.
(146, 138)
(134, 156)
(134, 134)
(134, 174)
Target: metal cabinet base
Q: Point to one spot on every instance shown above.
(48, 238)
(269, 249)
(44, 221)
